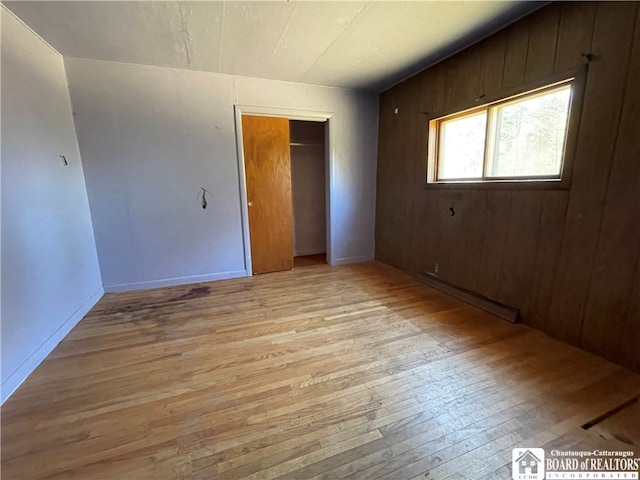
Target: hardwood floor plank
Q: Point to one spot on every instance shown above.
(326, 372)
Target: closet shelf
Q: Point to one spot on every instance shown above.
(306, 144)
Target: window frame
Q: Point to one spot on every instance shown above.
(577, 79)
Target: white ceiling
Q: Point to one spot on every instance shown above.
(345, 44)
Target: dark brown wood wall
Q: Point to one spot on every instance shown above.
(568, 259)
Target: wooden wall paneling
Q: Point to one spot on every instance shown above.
(543, 38)
(552, 219)
(459, 237)
(432, 86)
(519, 252)
(408, 125)
(395, 178)
(612, 39)
(422, 221)
(396, 151)
(450, 92)
(562, 236)
(498, 207)
(618, 248)
(389, 150)
(426, 100)
(426, 84)
(629, 342)
(415, 136)
(455, 249)
(425, 230)
(630, 353)
(460, 260)
(493, 55)
(422, 225)
(467, 82)
(515, 58)
(487, 251)
(516, 277)
(575, 33)
(441, 79)
(449, 241)
(475, 223)
(498, 204)
(382, 171)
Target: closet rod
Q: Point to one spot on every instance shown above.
(306, 144)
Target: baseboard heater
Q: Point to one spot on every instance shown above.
(510, 314)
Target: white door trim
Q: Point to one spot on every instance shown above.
(291, 114)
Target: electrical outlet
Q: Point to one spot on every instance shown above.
(436, 267)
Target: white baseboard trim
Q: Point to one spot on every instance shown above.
(172, 282)
(14, 380)
(346, 261)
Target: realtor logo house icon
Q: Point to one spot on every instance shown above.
(527, 464)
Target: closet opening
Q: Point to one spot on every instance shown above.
(308, 192)
(285, 165)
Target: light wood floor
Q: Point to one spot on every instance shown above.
(321, 372)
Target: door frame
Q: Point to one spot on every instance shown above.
(329, 166)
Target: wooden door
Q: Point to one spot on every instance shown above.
(267, 163)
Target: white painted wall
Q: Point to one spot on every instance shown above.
(308, 187)
(50, 273)
(150, 137)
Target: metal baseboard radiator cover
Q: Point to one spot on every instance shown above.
(506, 312)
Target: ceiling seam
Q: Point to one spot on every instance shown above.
(284, 30)
(184, 31)
(355, 20)
(220, 36)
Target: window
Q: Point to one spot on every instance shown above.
(520, 138)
